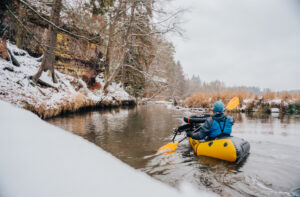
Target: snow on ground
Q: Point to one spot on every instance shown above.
(246, 101)
(161, 102)
(159, 79)
(17, 88)
(41, 160)
(275, 110)
(170, 105)
(274, 101)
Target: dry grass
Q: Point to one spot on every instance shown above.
(296, 97)
(70, 104)
(284, 96)
(268, 95)
(201, 99)
(206, 99)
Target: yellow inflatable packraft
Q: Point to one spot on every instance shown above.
(230, 148)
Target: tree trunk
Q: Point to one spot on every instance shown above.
(109, 50)
(123, 78)
(125, 43)
(13, 59)
(3, 49)
(110, 45)
(49, 53)
(20, 33)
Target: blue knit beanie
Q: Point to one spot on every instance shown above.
(218, 106)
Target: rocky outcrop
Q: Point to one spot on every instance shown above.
(77, 56)
(47, 99)
(74, 55)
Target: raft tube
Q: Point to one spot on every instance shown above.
(230, 148)
(196, 119)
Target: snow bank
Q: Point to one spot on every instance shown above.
(274, 101)
(69, 93)
(161, 102)
(275, 110)
(246, 101)
(41, 160)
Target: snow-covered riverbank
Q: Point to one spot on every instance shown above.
(40, 160)
(69, 94)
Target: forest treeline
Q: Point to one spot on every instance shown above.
(133, 49)
(202, 94)
(131, 35)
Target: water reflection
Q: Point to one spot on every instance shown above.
(133, 135)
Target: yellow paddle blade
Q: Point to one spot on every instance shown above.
(171, 147)
(233, 103)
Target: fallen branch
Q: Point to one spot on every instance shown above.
(156, 93)
(10, 69)
(41, 91)
(43, 83)
(13, 59)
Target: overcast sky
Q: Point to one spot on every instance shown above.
(242, 42)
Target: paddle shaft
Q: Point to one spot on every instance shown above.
(176, 132)
(182, 139)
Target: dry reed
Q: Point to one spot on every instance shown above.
(206, 99)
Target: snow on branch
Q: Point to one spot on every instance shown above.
(57, 27)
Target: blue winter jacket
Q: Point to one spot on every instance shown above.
(217, 125)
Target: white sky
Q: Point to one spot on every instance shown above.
(242, 42)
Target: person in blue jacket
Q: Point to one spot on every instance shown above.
(218, 125)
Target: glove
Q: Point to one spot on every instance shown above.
(189, 134)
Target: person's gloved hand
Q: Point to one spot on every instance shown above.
(189, 134)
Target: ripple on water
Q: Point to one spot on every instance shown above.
(133, 135)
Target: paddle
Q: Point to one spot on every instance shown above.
(171, 147)
(233, 103)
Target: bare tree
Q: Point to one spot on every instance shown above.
(131, 30)
(49, 52)
(113, 19)
(124, 46)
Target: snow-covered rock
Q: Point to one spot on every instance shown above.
(41, 160)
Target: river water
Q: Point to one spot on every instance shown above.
(133, 135)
